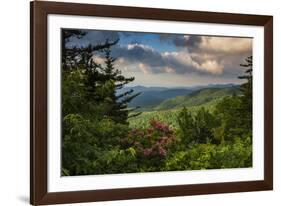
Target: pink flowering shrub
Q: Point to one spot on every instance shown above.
(154, 141)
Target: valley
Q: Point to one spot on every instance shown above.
(168, 109)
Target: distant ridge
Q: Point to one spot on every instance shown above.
(198, 97)
(156, 97)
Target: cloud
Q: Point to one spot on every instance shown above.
(138, 45)
(219, 55)
(215, 44)
(179, 40)
(191, 42)
(228, 45)
(149, 60)
(185, 63)
(144, 68)
(145, 59)
(98, 59)
(203, 55)
(212, 66)
(139, 53)
(169, 70)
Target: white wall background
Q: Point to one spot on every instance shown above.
(14, 102)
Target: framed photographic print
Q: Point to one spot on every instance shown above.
(133, 102)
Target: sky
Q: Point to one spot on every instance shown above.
(172, 60)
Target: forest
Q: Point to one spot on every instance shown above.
(104, 133)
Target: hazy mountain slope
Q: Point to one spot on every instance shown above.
(199, 97)
(168, 116)
(154, 98)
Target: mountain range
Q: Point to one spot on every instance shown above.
(161, 98)
(198, 97)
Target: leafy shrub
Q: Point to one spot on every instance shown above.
(228, 113)
(197, 128)
(196, 157)
(93, 147)
(153, 141)
(233, 155)
(210, 156)
(186, 123)
(151, 145)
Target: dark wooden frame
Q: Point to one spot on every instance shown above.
(38, 102)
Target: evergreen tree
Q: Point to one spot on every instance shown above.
(246, 88)
(99, 81)
(112, 76)
(204, 124)
(235, 113)
(81, 75)
(66, 35)
(187, 126)
(228, 114)
(75, 56)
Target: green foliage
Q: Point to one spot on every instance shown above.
(94, 117)
(228, 113)
(186, 123)
(197, 98)
(204, 124)
(115, 81)
(73, 96)
(207, 129)
(91, 147)
(198, 128)
(237, 154)
(210, 156)
(167, 116)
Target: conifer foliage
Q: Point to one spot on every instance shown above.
(100, 81)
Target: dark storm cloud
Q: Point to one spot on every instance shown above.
(183, 61)
(191, 42)
(139, 53)
(156, 61)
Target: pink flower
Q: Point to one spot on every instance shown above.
(147, 151)
(160, 126)
(136, 143)
(162, 151)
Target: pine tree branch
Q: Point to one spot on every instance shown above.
(134, 115)
(129, 98)
(124, 94)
